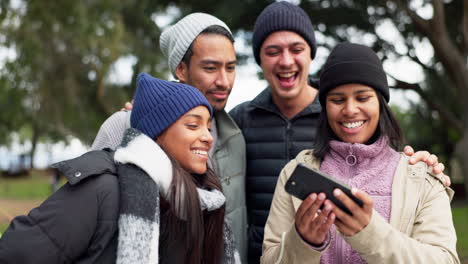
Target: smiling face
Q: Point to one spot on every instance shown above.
(285, 60)
(188, 140)
(212, 68)
(353, 112)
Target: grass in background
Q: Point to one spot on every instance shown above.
(36, 186)
(3, 227)
(460, 219)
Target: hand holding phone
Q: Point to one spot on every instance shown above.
(313, 224)
(305, 180)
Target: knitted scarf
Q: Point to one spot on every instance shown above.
(145, 173)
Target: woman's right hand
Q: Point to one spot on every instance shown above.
(311, 223)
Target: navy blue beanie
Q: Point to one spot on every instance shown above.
(158, 104)
(280, 16)
(352, 63)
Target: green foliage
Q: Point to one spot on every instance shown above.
(64, 55)
(34, 187)
(460, 219)
(3, 227)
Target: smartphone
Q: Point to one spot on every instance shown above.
(305, 180)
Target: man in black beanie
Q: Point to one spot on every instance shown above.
(282, 120)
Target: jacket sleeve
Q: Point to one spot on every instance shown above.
(60, 230)
(432, 239)
(111, 132)
(282, 243)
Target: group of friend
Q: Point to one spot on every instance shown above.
(179, 180)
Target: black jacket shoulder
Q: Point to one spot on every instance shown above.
(78, 223)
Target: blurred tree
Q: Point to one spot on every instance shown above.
(58, 84)
(65, 51)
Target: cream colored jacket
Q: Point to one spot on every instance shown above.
(420, 230)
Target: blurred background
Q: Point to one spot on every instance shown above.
(65, 66)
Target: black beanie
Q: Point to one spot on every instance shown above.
(353, 63)
(280, 16)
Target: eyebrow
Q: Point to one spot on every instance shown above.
(357, 92)
(218, 63)
(199, 117)
(290, 45)
(194, 115)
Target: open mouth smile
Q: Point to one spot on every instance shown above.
(353, 124)
(287, 78)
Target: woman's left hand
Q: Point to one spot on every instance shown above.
(347, 224)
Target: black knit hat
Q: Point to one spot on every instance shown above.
(158, 104)
(280, 16)
(353, 63)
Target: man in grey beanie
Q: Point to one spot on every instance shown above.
(200, 52)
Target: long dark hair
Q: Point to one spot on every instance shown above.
(388, 126)
(203, 238)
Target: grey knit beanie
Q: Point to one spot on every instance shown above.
(280, 16)
(176, 40)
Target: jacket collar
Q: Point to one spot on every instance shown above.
(91, 163)
(225, 126)
(265, 101)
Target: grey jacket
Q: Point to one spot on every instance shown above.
(229, 157)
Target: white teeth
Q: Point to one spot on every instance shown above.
(286, 75)
(353, 124)
(200, 152)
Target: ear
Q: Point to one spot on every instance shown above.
(182, 72)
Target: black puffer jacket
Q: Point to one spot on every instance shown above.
(272, 141)
(88, 204)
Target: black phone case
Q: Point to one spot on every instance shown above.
(305, 180)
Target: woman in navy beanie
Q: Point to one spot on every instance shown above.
(153, 200)
(405, 216)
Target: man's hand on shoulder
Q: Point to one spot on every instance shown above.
(430, 160)
(127, 107)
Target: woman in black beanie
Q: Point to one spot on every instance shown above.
(405, 216)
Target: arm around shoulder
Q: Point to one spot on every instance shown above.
(111, 132)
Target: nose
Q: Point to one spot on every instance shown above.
(206, 137)
(286, 59)
(222, 80)
(351, 107)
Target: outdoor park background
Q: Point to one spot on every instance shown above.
(67, 65)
